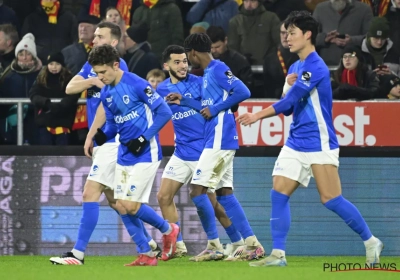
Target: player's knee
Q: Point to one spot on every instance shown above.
(326, 197)
(132, 207)
(164, 198)
(91, 192)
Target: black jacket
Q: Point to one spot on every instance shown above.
(75, 56)
(51, 38)
(368, 90)
(50, 114)
(142, 60)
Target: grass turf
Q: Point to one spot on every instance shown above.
(110, 268)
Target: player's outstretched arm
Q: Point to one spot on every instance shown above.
(162, 114)
(78, 84)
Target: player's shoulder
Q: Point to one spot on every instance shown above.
(315, 65)
(162, 88)
(195, 79)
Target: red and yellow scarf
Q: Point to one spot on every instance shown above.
(150, 3)
(81, 115)
(51, 9)
(381, 8)
(282, 62)
(123, 6)
(349, 77)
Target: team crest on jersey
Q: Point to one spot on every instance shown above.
(148, 91)
(306, 76)
(125, 98)
(205, 83)
(188, 94)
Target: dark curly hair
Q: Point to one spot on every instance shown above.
(199, 42)
(171, 49)
(101, 55)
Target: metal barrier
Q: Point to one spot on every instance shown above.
(20, 119)
(258, 69)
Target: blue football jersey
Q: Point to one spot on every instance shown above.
(129, 105)
(93, 93)
(310, 100)
(219, 84)
(188, 124)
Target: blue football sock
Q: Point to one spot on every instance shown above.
(233, 234)
(89, 219)
(280, 219)
(350, 215)
(134, 226)
(206, 214)
(146, 234)
(235, 212)
(179, 238)
(148, 215)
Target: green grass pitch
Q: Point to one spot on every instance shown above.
(110, 268)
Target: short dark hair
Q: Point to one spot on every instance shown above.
(171, 49)
(104, 54)
(199, 42)
(11, 32)
(216, 33)
(305, 22)
(115, 30)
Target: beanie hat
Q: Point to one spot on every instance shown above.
(203, 24)
(89, 19)
(389, 82)
(138, 32)
(56, 57)
(27, 43)
(353, 49)
(379, 28)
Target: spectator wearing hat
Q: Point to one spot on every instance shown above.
(384, 58)
(54, 120)
(53, 27)
(7, 15)
(15, 82)
(214, 12)
(390, 88)
(138, 55)
(77, 53)
(353, 79)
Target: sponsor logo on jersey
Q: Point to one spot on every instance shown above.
(207, 102)
(230, 76)
(186, 114)
(121, 119)
(153, 98)
(205, 83)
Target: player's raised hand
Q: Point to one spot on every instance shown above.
(88, 147)
(174, 98)
(247, 119)
(96, 82)
(206, 113)
(291, 79)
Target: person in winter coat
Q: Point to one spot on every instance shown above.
(164, 19)
(53, 27)
(353, 80)
(53, 119)
(390, 88)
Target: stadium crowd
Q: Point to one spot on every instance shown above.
(45, 43)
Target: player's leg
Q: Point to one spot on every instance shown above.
(132, 196)
(329, 188)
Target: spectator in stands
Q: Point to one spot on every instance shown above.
(154, 77)
(341, 22)
(353, 79)
(163, 17)
(114, 16)
(383, 56)
(98, 8)
(22, 8)
(199, 27)
(7, 15)
(74, 6)
(54, 120)
(76, 55)
(8, 40)
(215, 12)
(254, 32)
(238, 64)
(379, 7)
(53, 28)
(15, 82)
(393, 17)
(282, 8)
(311, 4)
(139, 57)
(390, 88)
(276, 66)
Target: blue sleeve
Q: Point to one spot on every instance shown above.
(303, 86)
(236, 89)
(191, 103)
(162, 114)
(84, 73)
(162, 90)
(110, 129)
(197, 11)
(123, 66)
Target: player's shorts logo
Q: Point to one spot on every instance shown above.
(133, 188)
(125, 98)
(95, 168)
(198, 172)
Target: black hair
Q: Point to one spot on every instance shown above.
(171, 49)
(199, 42)
(305, 22)
(101, 55)
(115, 30)
(216, 33)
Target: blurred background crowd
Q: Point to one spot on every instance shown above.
(44, 43)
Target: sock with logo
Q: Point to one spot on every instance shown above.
(89, 219)
(135, 228)
(236, 214)
(148, 215)
(350, 215)
(280, 219)
(206, 214)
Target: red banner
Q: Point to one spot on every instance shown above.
(356, 124)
